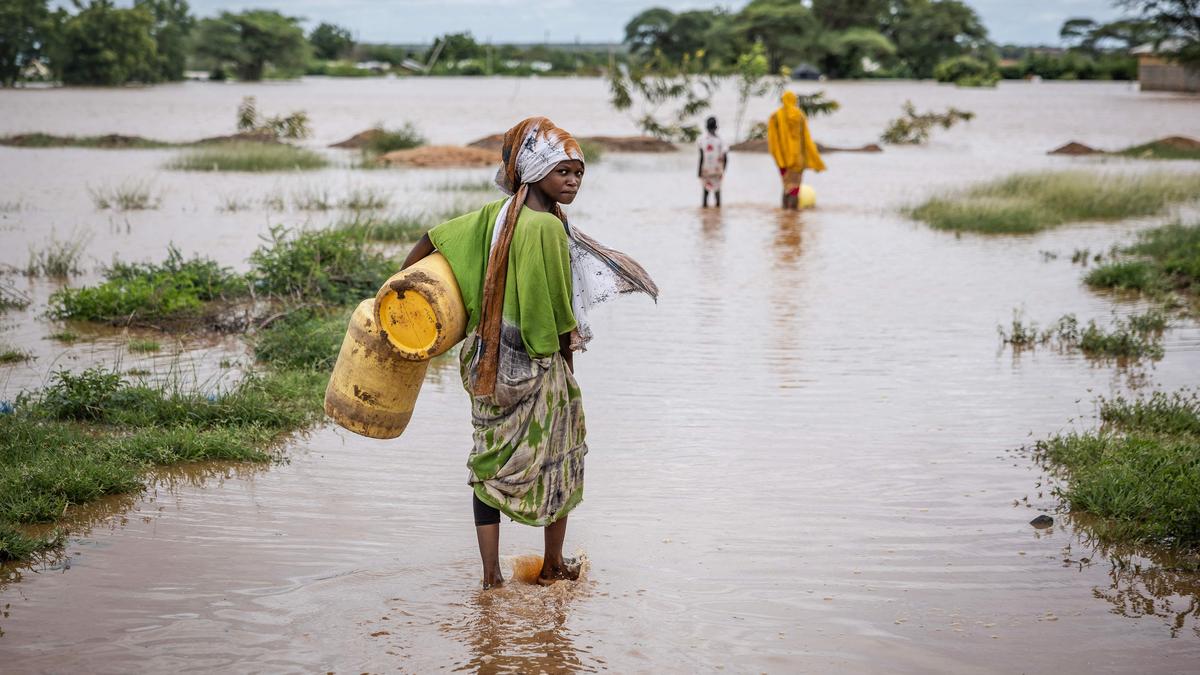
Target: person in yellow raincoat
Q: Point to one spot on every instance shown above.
(793, 148)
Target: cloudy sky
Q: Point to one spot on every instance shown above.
(418, 21)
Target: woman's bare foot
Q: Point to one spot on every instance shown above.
(568, 569)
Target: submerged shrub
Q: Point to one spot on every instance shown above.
(57, 258)
(383, 140)
(305, 339)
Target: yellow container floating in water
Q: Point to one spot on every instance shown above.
(373, 388)
(808, 197)
(420, 309)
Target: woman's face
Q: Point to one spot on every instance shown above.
(563, 181)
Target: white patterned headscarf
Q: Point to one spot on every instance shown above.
(540, 148)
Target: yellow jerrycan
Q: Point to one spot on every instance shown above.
(420, 309)
(808, 196)
(417, 314)
(373, 389)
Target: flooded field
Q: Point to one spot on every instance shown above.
(803, 458)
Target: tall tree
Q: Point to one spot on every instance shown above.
(24, 27)
(650, 31)
(173, 23)
(1177, 19)
(252, 40)
(842, 14)
(928, 31)
(786, 28)
(104, 45)
(330, 42)
(1078, 33)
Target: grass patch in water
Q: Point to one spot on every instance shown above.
(1140, 471)
(383, 140)
(1132, 337)
(1164, 259)
(135, 196)
(94, 433)
(248, 157)
(64, 336)
(1030, 202)
(58, 259)
(149, 293)
(9, 355)
(143, 346)
(1162, 149)
(304, 339)
(364, 199)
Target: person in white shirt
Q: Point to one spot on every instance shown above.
(713, 159)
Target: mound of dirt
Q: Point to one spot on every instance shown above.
(631, 143)
(441, 156)
(760, 145)
(360, 140)
(607, 143)
(1074, 148)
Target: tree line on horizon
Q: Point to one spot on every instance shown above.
(94, 42)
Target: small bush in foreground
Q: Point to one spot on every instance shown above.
(248, 157)
(1029, 202)
(305, 339)
(334, 266)
(1140, 471)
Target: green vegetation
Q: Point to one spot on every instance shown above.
(248, 42)
(250, 121)
(237, 156)
(12, 355)
(364, 199)
(330, 42)
(107, 141)
(1165, 260)
(324, 266)
(58, 259)
(913, 128)
(1139, 472)
(143, 346)
(11, 298)
(967, 71)
(1030, 202)
(393, 228)
(1164, 149)
(1132, 337)
(64, 336)
(312, 198)
(94, 433)
(176, 291)
(381, 141)
(135, 196)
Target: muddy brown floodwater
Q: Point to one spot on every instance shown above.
(803, 458)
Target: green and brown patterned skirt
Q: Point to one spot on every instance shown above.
(529, 439)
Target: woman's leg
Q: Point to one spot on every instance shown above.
(487, 532)
(554, 567)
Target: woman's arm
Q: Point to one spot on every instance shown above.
(419, 251)
(564, 348)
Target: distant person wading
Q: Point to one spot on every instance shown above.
(528, 279)
(714, 158)
(792, 146)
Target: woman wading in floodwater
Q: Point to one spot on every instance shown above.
(527, 280)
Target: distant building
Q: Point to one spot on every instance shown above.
(1157, 72)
